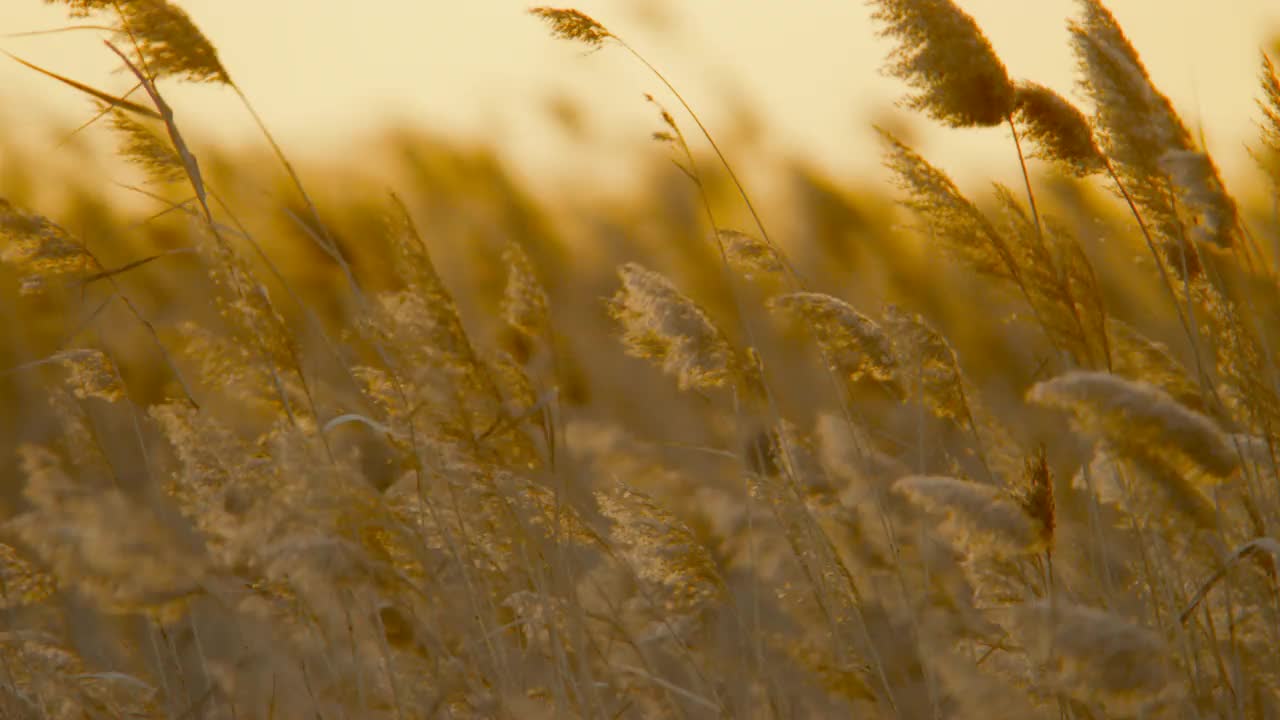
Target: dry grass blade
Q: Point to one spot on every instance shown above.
(189, 163)
(105, 97)
(1262, 544)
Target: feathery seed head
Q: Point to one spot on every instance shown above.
(1175, 487)
(1060, 132)
(927, 364)
(82, 8)
(39, 249)
(1136, 120)
(78, 534)
(750, 254)
(1200, 188)
(662, 551)
(663, 113)
(23, 583)
(150, 151)
(1095, 656)
(570, 24)
(524, 303)
(1135, 417)
(848, 452)
(853, 344)
(1136, 125)
(1036, 497)
(661, 324)
(1270, 105)
(942, 53)
(980, 517)
(170, 43)
(1137, 356)
(90, 373)
(951, 217)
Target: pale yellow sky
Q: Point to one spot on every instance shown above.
(317, 71)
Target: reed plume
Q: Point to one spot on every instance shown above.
(662, 551)
(1136, 417)
(39, 250)
(750, 255)
(1059, 131)
(853, 345)
(958, 78)
(524, 302)
(1270, 105)
(1198, 186)
(659, 323)
(568, 24)
(169, 43)
(980, 518)
(1095, 656)
(148, 150)
(1138, 125)
(91, 374)
(1135, 121)
(951, 217)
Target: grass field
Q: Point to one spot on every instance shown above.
(288, 445)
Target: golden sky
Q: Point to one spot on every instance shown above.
(483, 69)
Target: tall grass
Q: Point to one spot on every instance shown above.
(450, 454)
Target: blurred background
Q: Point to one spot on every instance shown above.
(799, 79)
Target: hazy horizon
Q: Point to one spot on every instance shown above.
(487, 72)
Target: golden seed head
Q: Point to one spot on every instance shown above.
(169, 42)
(1060, 132)
(570, 24)
(958, 78)
(1196, 180)
(661, 324)
(1271, 105)
(980, 518)
(1136, 416)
